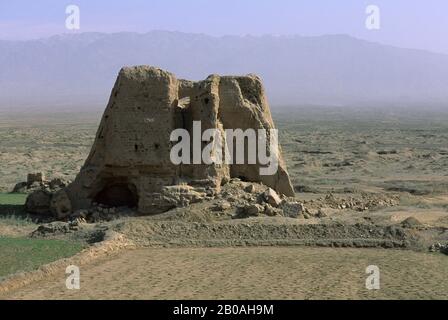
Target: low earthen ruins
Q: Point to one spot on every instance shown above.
(129, 163)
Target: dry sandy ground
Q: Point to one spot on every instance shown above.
(252, 273)
(342, 151)
(56, 144)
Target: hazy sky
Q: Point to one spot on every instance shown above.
(404, 23)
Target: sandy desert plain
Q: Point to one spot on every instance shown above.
(361, 172)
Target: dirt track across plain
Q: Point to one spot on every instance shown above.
(252, 273)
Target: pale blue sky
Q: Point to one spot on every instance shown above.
(404, 23)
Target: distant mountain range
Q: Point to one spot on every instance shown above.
(80, 69)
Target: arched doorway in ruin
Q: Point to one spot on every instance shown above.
(117, 194)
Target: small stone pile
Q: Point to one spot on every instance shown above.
(56, 227)
(252, 199)
(439, 247)
(37, 181)
(99, 212)
(42, 193)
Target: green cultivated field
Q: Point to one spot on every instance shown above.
(12, 199)
(22, 254)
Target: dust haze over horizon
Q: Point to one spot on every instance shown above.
(307, 52)
(404, 23)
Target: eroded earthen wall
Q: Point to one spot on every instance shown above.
(130, 158)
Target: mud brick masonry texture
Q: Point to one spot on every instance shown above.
(129, 163)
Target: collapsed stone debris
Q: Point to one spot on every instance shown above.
(37, 181)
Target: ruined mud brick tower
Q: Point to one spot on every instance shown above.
(129, 163)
